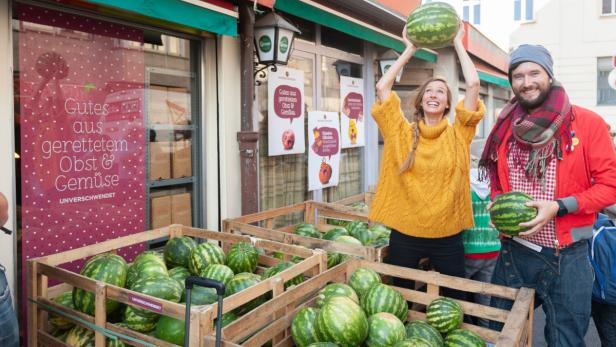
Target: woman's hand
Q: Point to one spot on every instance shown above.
(460, 33)
(405, 39)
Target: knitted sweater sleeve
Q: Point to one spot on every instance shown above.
(388, 116)
(466, 121)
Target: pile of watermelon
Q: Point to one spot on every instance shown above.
(366, 311)
(162, 275)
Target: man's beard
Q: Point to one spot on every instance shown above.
(535, 103)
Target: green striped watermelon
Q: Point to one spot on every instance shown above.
(307, 229)
(385, 329)
(203, 255)
(201, 296)
(115, 342)
(444, 314)
(303, 327)
(333, 259)
(177, 251)
(363, 279)
(353, 226)
(152, 255)
(333, 233)
(162, 287)
(423, 330)
(342, 321)
(432, 25)
(414, 342)
(138, 323)
(108, 268)
(240, 282)
(227, 318)
(79, 336)
(218, 272)
(463, 338)
(380, 231)
(59, 322)
(336, 289)
(323, 344)
(280, 267)
(383, 298)
(348, 240)
(337, 222)
(143, 268)
(171, 330)
(509, 210)
(60, 334)
(179, 274)
(242, 257)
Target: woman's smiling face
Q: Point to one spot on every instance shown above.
(434, 100)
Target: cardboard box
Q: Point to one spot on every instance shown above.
(160, 211)
(182, 159)
(160, 160)
(158, 111)
(181, 211)
(178, 105)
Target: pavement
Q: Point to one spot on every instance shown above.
(592, 337)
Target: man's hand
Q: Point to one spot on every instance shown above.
(546, 210)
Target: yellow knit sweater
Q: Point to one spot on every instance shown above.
(432, 199)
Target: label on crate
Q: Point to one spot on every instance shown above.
(146, 303)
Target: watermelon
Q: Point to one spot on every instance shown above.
(79, 336)
(463, 338)
(162, 287)
(151, 255)
(60, 334)
(360, 205)
(203, 255)
(337, 222)
(336, 289)
(201, 296)
(432, 25)
(444, 314)
(303, 327)
(353, 226)
(333, 233)
(138, 323)
(278, 255)
(509, 210)
(385, 329)
(380, 242)
(59, 322)
(421, 329)
(323, 344)
(115, 342)
(307, 229)
(363, 279)
(342, 321)
(145, 267)
(108, 268)
(227, 318)
(380, 231)
(333, 259)
(383, 298)
(348, 240)
(240, 282)
(280, 267)
(179, 274)
(177, 251)
(413, 342)
(171, 330)
(242, 257)
(218, 272)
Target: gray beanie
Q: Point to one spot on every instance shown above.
(533, 53)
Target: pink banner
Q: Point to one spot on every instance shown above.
(81, 86)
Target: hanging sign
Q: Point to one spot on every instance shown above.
(324, 153)
(352, 112)
(285, 116)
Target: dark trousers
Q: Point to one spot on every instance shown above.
(604, 316)
(446, 255)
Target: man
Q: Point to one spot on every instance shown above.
(562, 156)
(9, 332)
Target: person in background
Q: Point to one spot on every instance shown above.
(9, 331)
(545, 147)
(423, 191)
(481, 242)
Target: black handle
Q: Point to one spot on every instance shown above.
(205, 282)
(220, 291)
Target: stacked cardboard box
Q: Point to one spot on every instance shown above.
(160, 160)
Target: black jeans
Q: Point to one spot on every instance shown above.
(446, 255)
(604, 316)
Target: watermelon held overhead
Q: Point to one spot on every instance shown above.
(509, 210)
(432, 25)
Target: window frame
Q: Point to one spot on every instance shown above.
(612, 8)
(603, 73)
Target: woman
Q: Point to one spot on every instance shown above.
(423, 192)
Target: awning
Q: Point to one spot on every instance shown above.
(196, 14)
(491, 75)
(320, 14)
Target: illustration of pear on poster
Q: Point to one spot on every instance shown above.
(352, 112)
(324, 152)
(285, 112)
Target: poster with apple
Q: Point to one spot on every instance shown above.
(324, 153)
(352, 112)
(285, 116)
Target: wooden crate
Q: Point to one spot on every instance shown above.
(42, 270)
(274, 320)
(366, 198)
(261, 225)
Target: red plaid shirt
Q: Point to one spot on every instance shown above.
(517, 179)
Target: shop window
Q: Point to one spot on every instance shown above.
(339, 40)
(608, 7)
(306, 28)
(606, 95)
(523, 6)
(477, 14)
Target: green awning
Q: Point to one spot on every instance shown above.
(179, 12)
(488, 78)
(325, 18)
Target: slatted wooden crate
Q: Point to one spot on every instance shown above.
(274, 319)
(265, 225)
(42, 270)
(365, 198)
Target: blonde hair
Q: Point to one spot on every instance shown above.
(418, 115)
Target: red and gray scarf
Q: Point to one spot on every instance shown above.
(541, 132)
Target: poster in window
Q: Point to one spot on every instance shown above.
(285, 116)
(352, 123)
(324, 153)
(82, 132)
